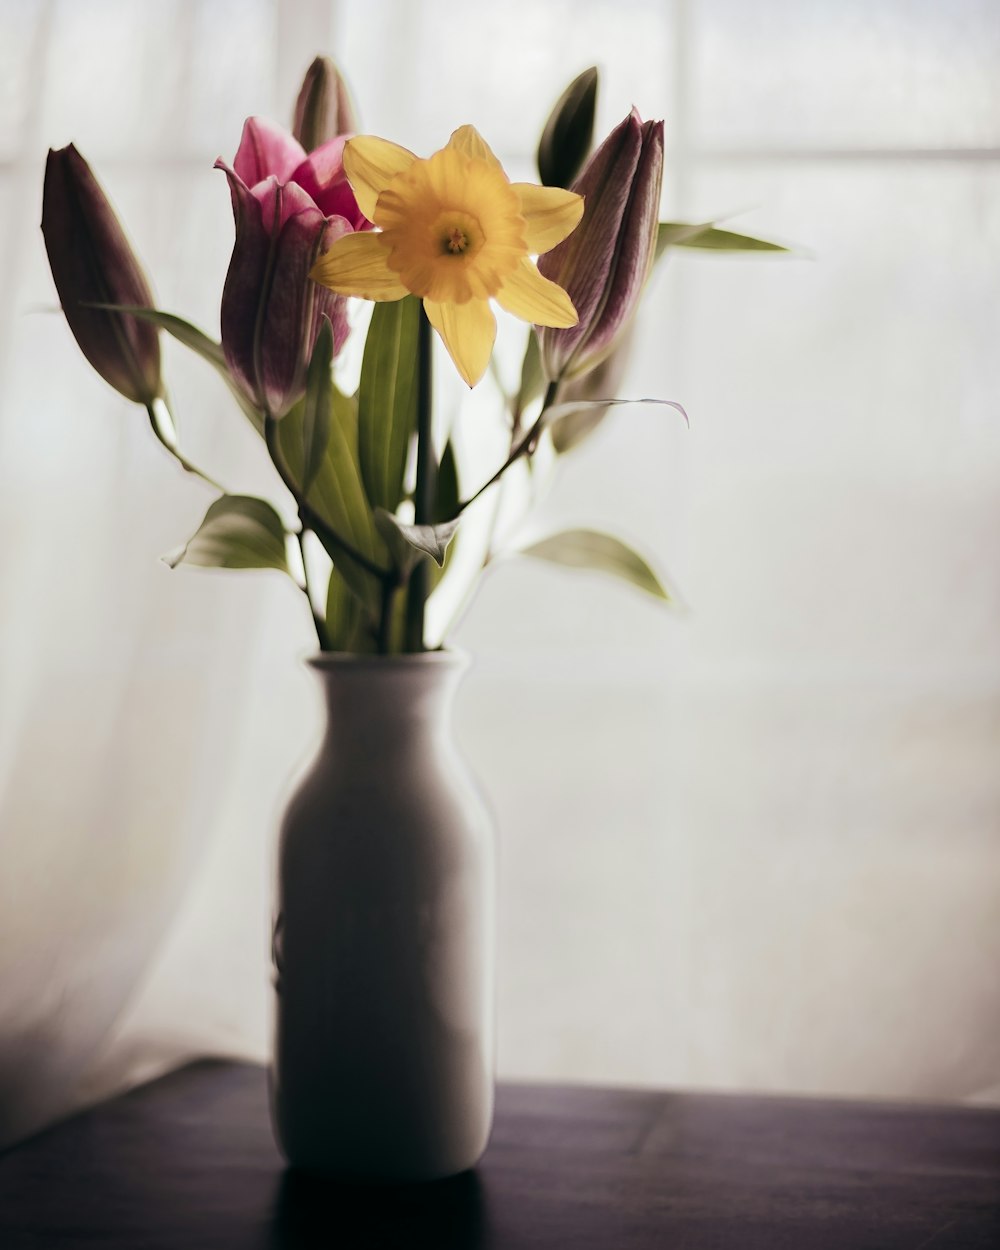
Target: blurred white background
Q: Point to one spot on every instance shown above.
(755, 846)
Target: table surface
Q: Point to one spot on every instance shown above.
(188, 1161)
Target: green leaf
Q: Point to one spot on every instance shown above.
(568, 132)
(238, 532)
(387, 399)
(345, 617)
(200, 343)
(337, 493)
(573, 407)
(317, 406)
(572, 429)
(590, 549)
(447, 495)
(729, 241)
(533, 379)
(706, 235)
(410, 543)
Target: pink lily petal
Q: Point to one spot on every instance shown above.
(322, 175)
(295, 306)
(270, 309)
(266, 150)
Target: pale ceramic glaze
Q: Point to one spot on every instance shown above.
(383, 934)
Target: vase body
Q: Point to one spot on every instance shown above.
(383, 935)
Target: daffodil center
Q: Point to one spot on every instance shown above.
(457, 234)
(457, 241)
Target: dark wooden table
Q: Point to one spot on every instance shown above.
(187, 1162)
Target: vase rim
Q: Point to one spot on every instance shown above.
(449, 658)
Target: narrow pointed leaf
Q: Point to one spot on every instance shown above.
(204, 346)
(591, 549)
(729, 241)
(410, 543)
(337, 493)
(532, 376)
(707, 235)
(571, 430)
(446, 503)
(317, 407)
(568, 132)
(559, 412)
(446, 487)
(387, 400)
(238, 532)
(574, 427)
(345, 617)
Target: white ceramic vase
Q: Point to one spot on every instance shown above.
(383, 935)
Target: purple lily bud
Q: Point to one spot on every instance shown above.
(603, 265)
(92, 263)
(323, 110)
(289, 208)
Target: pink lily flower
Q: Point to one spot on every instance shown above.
(289, 207)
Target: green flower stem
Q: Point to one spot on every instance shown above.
(322, 633)
(163, 427)
(524, 448)
(384, 638)
(426, 485)
(310, 518)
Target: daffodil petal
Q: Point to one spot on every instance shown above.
(533, 298)
(467, 331)
(371, 164)
(357, 265)
(550, 212)
(468, 141)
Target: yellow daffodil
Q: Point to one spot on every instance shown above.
(454, 231)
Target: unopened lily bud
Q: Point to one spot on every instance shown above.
(605, 262)
(323, 110)
(92, 263)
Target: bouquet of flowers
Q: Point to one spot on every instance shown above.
(326, 216)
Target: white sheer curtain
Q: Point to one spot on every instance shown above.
(756, 845)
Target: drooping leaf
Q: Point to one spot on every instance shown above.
(317, 406)
(706, 235)
(572, 429)
(238, 532)
(387, 399)
(410, 543)
(559, 412)
(204, 346)
(568, 132)
(591, 549)
(575, 427)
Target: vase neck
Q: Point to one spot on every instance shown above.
(384, 704)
